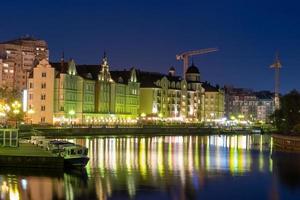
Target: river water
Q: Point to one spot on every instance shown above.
(164, 167)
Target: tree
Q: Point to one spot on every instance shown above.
(10, 95)
(288, 116)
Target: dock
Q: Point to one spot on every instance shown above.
(29, 156)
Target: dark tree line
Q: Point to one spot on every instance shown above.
(287, 118)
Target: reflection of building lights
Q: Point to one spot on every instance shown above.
(24, 184)
(181, 156)
(4, 187)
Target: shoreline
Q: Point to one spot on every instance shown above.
(133, 131)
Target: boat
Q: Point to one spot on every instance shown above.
(56, 145)
(74, 155)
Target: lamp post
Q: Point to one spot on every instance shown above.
(2, 112)
(30, 113)
(16, 110)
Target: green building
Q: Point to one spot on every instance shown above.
(65, 93)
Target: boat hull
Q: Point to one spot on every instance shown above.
(76, 162)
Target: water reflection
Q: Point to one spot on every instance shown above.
(180, 160)
(169, 167)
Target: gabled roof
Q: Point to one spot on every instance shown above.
(88, 71)
(124, 75)
(148, 79)
(209, 88)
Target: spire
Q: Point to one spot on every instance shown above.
(193, 62)
(62, 60)
(104, 74)
(63, 66)
(104, 60)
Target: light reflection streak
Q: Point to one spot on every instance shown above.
(130, 161)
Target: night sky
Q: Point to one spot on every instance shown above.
(148, 35)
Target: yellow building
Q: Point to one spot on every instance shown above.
(170, 97)
(214, 105)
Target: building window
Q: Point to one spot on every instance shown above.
(43, 108)
(30, 96)
(43, 119)
(44, 74)
(30, 85)
(43, 97)
(62, 108)
(43, 85)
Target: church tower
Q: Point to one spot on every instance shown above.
(104, 74)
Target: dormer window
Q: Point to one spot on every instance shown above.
(120, 80)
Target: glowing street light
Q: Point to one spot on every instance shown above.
(16, 105)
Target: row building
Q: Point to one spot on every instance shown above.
(64, 93)
(248, 104)
(173, 98)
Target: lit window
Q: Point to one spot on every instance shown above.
(6, 71)
(11, 71)
(5, 65)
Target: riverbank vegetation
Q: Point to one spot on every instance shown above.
(287, 118)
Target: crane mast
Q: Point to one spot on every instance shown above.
(276, 66)
(185, 57)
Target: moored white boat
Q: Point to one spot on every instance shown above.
(74, 155)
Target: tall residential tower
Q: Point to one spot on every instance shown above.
(18, 58)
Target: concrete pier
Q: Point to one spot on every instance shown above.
(29, 156)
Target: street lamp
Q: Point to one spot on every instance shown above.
(16, 110)
(30, 113)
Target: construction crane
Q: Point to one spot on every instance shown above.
(185, 56)
(277, 65)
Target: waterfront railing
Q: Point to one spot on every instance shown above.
(9, 137)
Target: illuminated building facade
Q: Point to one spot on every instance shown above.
(66, 93)
(18, 58)
(214, 105)
(170, 97)
(249, 105)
